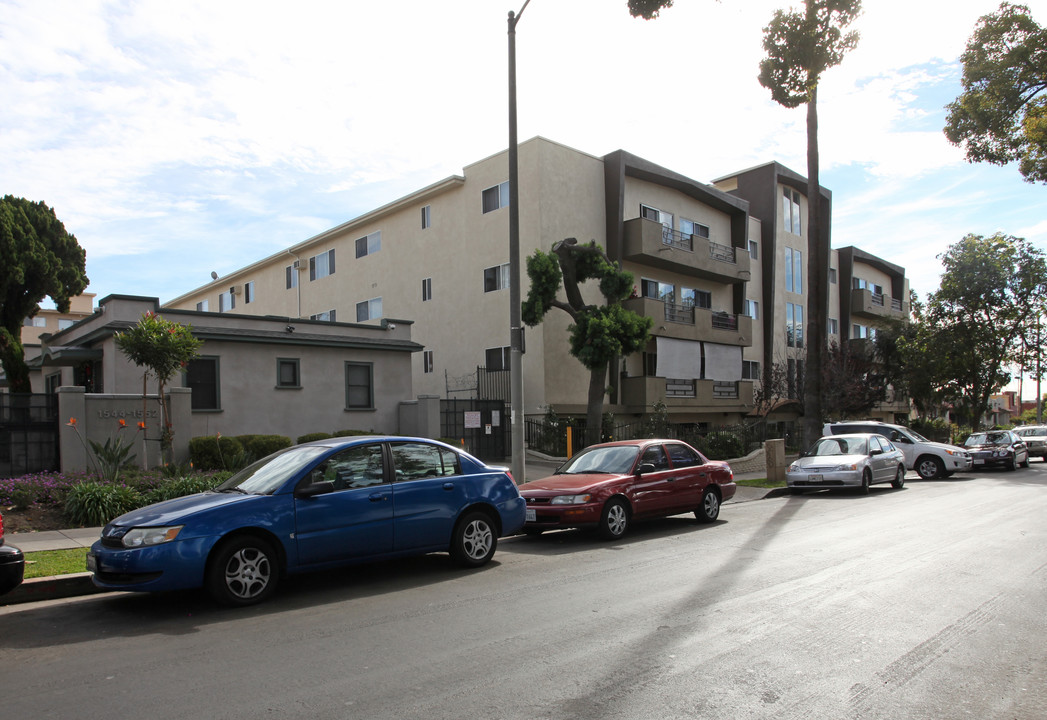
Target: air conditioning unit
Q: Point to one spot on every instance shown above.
(297, 264)
(236, 289)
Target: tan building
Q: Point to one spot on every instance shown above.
(709, 265)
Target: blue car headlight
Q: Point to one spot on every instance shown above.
(149, 536)
(571, 499)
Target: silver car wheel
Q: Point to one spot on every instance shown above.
(477, 539)
(615, 520)
(248, 573)
(710, 509)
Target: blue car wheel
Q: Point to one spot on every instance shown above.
(243, 571)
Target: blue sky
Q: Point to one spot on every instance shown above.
(176, 139)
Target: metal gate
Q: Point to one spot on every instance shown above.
(482, 425)
(28, 434)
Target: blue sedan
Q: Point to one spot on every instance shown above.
(310, 507)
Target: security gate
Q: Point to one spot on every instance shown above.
(28, 434)
(482, 425)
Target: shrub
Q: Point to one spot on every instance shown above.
(349, 433)
(180, 487)
(95, 503)
(258, 446)
(723, 446)
(23, 497)
(309, 437)
(213, 452)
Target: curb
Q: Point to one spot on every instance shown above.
(51, 588)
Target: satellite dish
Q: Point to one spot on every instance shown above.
(214, 275)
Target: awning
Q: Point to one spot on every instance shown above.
(679, 359)
(64, 356)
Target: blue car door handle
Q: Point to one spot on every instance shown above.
(448, 486)
(378, 497)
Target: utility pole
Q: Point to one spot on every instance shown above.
(518, 466)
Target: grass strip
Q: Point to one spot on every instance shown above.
(45, 563)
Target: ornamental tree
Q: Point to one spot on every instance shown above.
(163, 348)
(1001, 116)
(39, 259)
(599, 334)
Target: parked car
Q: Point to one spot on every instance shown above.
(607, 486)
(847, 461)
(12, 564)
(929, 459)
(309, 507)
(1035, 438)
(997, 447)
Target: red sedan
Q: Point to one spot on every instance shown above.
(608, 486)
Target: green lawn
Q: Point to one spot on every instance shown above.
(55, 562)
(761, 483)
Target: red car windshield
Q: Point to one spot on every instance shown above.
(612, 460)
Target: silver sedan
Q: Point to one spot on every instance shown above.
(847, 461)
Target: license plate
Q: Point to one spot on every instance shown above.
(530, 515)
(979, 462)
(814, 478)
(92, 563)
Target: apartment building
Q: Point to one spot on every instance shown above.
(719, 269)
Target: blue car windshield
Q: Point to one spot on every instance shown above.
(602, 460)
(268, 474)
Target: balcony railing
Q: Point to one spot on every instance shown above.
(677, 239)
(722, 253)
(725, 321)
(679, 313)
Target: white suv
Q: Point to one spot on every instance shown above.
(929, 459)
(1035, 437)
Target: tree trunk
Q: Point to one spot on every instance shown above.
(594, 416)
(818, 284)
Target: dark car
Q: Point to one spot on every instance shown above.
(12, 564)
(312, 506)
(607, 486)
(997, 447)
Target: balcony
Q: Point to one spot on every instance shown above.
(686, 322)
(866, 303)
(639, 393)
(650, 243)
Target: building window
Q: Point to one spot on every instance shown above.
(754, 250)
(201, 376)
(497, 358)
(793, 270)
(496, 197)
(794, 325)
(496, 278)
(369, 310)
(288, 373)
(328, 316)
(752, 309)
(226, 301)
(427, 361)
(694, 229)
(791, 210)
(863, 332)
(832, 275)
(834, 326)
(291, 276)
(750, 370)
(794, 378)
(359, 386)
(202, 306)
(427, 289)
(666, 219)
(249, 292)
(427, 217)
(35, 322)
(321, 265)
(665, 292)
(690, 297)
(65, 323)
(368, 245)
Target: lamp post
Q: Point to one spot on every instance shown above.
(516, 419)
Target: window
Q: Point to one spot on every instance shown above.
(665, 292)
(249, 292)
(368, 245)
(291, 276)
(496, 197)
(369, 310)
(201, 306)
(750, 370)
(328, 316)
(497, 358)
(683, 456)
(201, 376)
(793, 270)
(791, 210)
(321, 265)
(754, 250)
(666, 219)
(427, 361)
(689, 227)
(794, 378)
(752, 309)
(696, 298)
(832, 275)
(496, 278)
(287, 373)
(65, 323)
(427, 217)
(35, 322)
(834, 326)
(359, 386)
(655, 456)
(415, 460)
(361, 466)
(650, 364)
(427, 289)
(794, 325)
(226, 302)
(863, 332)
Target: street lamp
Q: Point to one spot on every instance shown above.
(516, 406)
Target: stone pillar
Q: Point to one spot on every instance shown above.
(72, 403)
(180, 401)
(774, 451)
